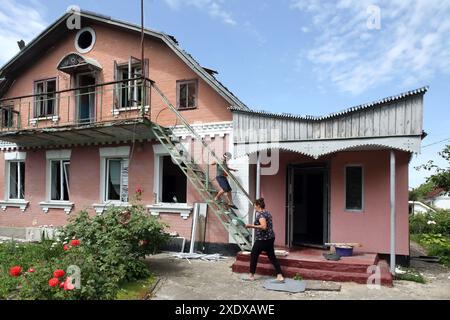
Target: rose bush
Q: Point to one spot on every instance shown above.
(108, 250)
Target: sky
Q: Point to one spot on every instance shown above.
(306, 57)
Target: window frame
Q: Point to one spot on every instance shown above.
(19, 180)
(106, 177)
(45, 100)
(136, 84)
(64, 177)
(187, 82)
(3, 111)
(361, 210)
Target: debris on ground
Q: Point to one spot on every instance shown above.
(317, 285)
(198, 256)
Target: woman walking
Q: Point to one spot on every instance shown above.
(264, 240)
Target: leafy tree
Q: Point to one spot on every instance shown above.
(420, 193)
(441, 177)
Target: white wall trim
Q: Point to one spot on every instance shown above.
(112, 152)
(14, 156)
(65, 205)
(101, 207)
(63, 154)
(183, 209)
(205, 129)
(17, 203)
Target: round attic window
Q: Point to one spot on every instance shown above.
(85, 40)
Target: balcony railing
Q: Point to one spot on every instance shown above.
(83, 106)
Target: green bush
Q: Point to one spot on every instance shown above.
(437, 222)
(110, 251)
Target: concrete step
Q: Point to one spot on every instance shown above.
(313, 263)
(315, 274)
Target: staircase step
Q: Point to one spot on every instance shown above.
(311, 274)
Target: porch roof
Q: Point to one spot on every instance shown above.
(390, 123)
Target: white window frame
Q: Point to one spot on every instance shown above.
(66, 205)
(8, 202)
(8, 180)
(63, 173)
(106, 184)
(110, 153)
(77, 37)
(362, 188)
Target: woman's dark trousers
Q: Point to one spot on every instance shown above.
(264, 246)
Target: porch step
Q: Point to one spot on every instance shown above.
(338, 271)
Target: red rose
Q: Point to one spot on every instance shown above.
(75, 243)
(53, 282)
(15, 271)
(66, 247)
(58, 273)
(31, 270)
(61, 285)
(138, 190)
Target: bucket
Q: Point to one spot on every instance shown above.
(344, 251)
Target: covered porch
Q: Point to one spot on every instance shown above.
(338, 178)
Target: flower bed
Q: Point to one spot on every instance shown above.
(93, 257)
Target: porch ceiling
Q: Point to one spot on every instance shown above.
(117, 131)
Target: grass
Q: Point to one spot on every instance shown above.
(410, 275)
(136, 290)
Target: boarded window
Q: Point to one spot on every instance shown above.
(16, 180)
(354, 188)
(45, 98)
(174, 182)
(187, 94)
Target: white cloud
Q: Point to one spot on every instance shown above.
(213, 7)
(18, 22)
(412, 45)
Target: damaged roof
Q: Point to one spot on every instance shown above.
(41, 43)
(400, 96)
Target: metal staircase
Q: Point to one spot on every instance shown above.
(199, 177)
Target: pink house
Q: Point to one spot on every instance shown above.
(85, 121)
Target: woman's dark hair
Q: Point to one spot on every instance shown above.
(260, 203)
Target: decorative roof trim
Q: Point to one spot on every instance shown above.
(400, 96)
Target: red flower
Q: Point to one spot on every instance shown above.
(15, 271)
(139, 190)
(58, 273)
(75, 242)
(53, 282)
(31, 270)
(68, 285)
(61, 285)
(66, 247)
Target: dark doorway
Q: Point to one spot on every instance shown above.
(174, 182)
(308, 205)
(86, 98)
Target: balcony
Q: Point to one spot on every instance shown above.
(108, 112)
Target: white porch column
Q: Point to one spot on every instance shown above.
(392, 203)
(258, 190)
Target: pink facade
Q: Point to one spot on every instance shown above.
(370, 227)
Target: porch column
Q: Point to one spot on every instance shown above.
(392, 202)
(258, 190)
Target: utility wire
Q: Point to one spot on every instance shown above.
(437, 142)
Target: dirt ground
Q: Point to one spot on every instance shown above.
(202, 280)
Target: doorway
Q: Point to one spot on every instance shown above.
(86, 98)
(308, 205)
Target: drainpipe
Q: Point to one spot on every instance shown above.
(392, 202)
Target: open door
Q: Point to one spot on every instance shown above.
(86, 98)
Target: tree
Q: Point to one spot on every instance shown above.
(420, 193)
(441, 177)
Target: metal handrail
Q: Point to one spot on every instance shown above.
(197, 136)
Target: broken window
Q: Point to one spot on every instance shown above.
(116, 186)
(174, 182)
(354, 188)
(59, 179)
(45, 98)
(129, 93)
(187, 94)
(6, 117)
(16, 179)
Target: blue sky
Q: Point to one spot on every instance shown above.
(300, 56)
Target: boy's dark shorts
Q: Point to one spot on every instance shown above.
(223, 183)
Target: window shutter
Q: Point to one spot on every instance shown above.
(124, 181)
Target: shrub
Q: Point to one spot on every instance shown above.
(438, 222)
(107, 249)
